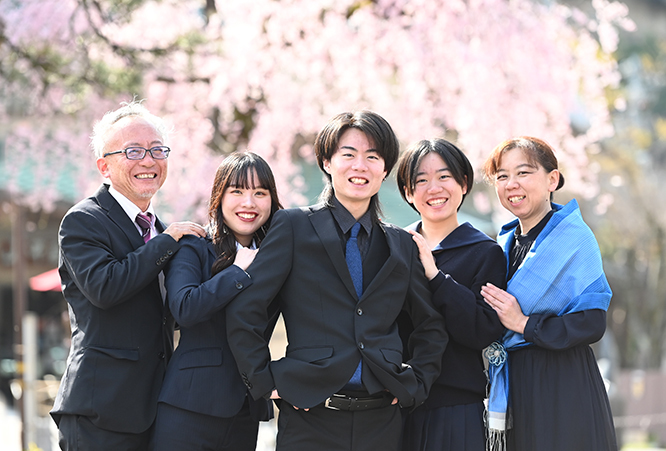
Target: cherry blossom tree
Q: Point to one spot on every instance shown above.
(267, 74)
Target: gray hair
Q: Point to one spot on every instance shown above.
(133, 108)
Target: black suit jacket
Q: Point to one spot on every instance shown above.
(301, 266)
(122, 333)
(202, 375)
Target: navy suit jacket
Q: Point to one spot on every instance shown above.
(122, 333)
(202, 375)
(301, 267)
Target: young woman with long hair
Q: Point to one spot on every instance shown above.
(204, 403)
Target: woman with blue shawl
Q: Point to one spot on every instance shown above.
(434, 177)
(546, 390)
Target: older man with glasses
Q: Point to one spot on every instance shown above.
(113, 248)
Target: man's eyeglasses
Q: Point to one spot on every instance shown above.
(139, 153)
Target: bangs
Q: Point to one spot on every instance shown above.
(241, 176)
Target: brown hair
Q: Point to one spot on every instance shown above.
(537, 152)
(236, 170)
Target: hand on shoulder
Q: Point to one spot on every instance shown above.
(425, 254)
(178, 229)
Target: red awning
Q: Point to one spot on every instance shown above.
(47, 281)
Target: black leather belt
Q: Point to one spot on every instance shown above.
(350, 403)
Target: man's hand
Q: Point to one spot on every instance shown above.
(178, 229)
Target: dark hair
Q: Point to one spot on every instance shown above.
(375, 127)
(537, 152)
(236, 170)
(460, 167)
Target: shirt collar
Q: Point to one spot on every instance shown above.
(239, 246)
(346, 220)
(130, 207)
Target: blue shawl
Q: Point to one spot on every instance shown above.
(562, 273)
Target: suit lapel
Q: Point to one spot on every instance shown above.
(393, 242)
(212, 254)
(324, 224)
(159, 225)
(118, 216)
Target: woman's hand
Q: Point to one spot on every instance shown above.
(425, 254)
(507, 307)
(244, 257)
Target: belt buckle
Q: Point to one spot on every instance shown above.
(328, 405)
(337, 397)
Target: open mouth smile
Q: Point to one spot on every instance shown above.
(437, 202)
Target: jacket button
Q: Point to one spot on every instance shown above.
(169, 252)
(160, 355)
(361, 345)
(359, 312)
(239, 285)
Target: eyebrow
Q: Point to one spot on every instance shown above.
(355, 149)
(438, 170)
(531, 166)
(152, 144)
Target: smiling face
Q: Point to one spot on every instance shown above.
(246, 209)
(524, 188)
(357, 171)
(138, 180)
(436, 195)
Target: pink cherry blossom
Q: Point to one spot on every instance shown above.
(266, 75)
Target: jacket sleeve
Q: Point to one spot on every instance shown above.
(567, 331)
(469, 319)
(428, 340)
(249, 314)
(104, 273)
(192, 294)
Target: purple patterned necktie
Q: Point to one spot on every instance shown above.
(145, 222)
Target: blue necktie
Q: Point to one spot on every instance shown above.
(354, 262)
(355, 265)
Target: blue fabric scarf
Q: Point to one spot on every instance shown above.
(562, 273)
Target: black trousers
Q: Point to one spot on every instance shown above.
(336, 430)
(77, 433)
(183, 430)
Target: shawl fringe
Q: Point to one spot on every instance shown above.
(496, 440)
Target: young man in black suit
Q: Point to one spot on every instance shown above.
(340, 277)
(110, 259)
